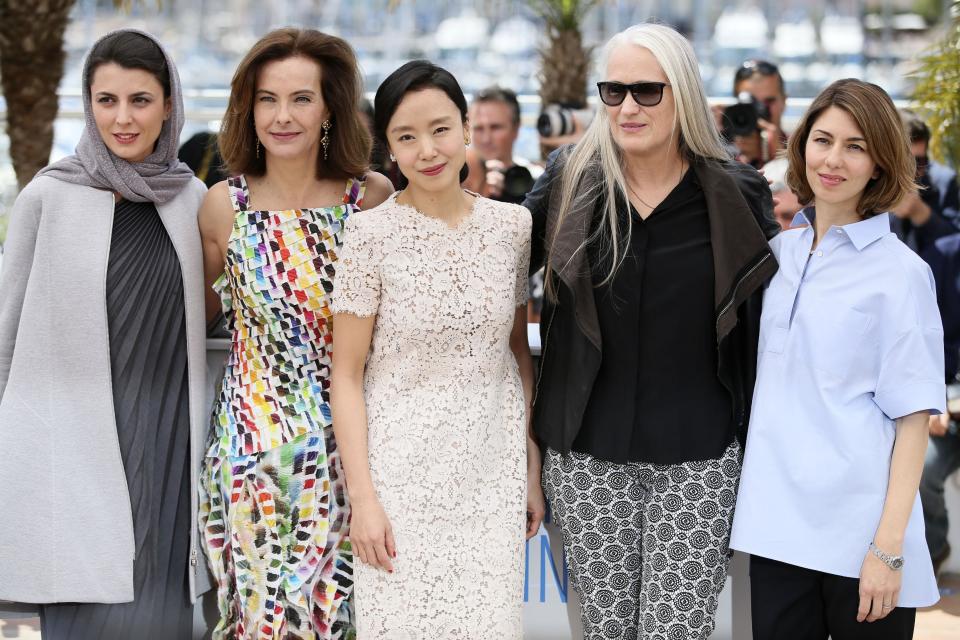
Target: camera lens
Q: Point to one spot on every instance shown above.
(517, 181)
(555, 121)
(739, 120)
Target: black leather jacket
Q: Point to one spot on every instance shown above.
(740, 208)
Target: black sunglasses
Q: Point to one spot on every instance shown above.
(646, 94)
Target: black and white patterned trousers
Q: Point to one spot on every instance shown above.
(647, 545)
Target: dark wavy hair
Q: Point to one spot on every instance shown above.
(415, 75)
(341, 88)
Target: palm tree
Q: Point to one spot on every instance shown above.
(31, 65)
(565, 61)
(937, 92)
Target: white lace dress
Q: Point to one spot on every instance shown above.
(445, 416)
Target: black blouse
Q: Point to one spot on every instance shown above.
(657, 397)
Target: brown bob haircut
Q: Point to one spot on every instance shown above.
(876, 116)
(340, 86)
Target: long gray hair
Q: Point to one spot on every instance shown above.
(599, 151)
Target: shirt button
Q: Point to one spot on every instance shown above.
(839, 230)
(820, 254)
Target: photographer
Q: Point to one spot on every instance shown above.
(753, 124)
(943, 452)
(939, 180)
(494, 125)
(918, 219)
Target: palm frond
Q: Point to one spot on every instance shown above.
(563, 15)
(937, 92)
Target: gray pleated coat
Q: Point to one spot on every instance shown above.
(66, 528)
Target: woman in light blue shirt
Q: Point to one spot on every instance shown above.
(850, 366)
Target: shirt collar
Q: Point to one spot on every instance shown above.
(804, 217)
(861, 233)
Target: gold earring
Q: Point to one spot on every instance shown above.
(325, 140)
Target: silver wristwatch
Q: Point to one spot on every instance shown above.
(894, 562)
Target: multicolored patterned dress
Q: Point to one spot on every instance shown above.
(273, 512)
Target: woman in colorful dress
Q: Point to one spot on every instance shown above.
(103, 402)
(850, 367)
(432, 380)
(274, 511)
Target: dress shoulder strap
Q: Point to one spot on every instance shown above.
(355, 190)
(239, 193)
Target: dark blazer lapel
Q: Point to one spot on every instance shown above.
(737, 241)
(568, 256)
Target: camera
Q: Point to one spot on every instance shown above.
(517, 182)
(558, 120)
(740, 119)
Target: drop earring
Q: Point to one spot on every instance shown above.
(325, 140)
(258, 147)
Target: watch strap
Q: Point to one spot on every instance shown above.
(895, 563)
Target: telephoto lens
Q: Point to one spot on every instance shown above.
(557, 120)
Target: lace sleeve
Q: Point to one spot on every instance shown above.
(522, 287)
(357, 284)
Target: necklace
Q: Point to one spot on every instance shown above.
(637, 196)
(644, 202)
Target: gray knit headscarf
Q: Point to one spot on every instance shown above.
(158, 178)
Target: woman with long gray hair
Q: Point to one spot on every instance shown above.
(655, 248)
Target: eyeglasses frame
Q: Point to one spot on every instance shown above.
(629, 88)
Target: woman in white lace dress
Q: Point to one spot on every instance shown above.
(431, 384)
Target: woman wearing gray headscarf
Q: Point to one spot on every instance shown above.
(102, 366)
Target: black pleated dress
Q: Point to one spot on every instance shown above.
(148, 356)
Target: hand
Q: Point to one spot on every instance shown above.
(371, 534)
(939, 424)
(493, 185)
(879, 588)
(774, 137)
(717, 111)
(904, 208)
(749, 148)
(913, 208)
(536, 505)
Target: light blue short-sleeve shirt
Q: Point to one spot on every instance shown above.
(850, 340)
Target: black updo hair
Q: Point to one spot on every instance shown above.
(415, 75)
(131, 51)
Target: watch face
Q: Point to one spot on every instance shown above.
(896, 563)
